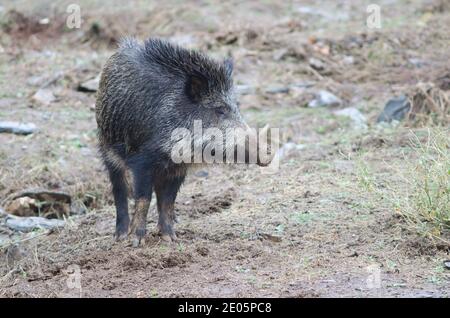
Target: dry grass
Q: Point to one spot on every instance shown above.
(430, 106)
(421, 195)
(427, 208)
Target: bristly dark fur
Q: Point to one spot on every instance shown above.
(183, 62)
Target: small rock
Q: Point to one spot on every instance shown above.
(201, 174)
(28, 224)
(44, 96)
(276, 89)
(316, 64)
(348, 60)
(395, 109)
(325, 98)
(90, 85)
(17, 128)
(44, 21)
(270, 237)
(355, 115)
(447, 264)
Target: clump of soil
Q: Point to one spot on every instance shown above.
(202, 205)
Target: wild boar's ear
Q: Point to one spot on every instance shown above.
(228, 63)
(196, 87)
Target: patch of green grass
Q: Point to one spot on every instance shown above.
(154, 293)
(303, 217)
(321, 130)
(366, 178)
(426, 208)
(241, 269)
(280, 229)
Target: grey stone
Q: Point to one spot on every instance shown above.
(17, 128)
(316, 64)
(90, 85)
(245, 89)
(325, 98)
(276, 89)
(395, 109)
(201, 174)
(28, 224)
(447, 264)
(44, 96)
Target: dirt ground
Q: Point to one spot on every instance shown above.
(312, 229)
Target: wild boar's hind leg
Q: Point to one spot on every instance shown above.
(120, 193)
(166, 189)
(143, 184)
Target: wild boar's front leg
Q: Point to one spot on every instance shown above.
(166, 189)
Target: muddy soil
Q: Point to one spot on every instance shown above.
(312, 229)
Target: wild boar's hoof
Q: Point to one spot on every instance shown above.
(138, 241)
(169, 238)
(118, 237)
(167, 233)
(138, 233)
(121, 230)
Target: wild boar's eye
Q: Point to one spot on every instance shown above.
(220, 111)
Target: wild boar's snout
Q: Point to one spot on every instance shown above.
(253, 146)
